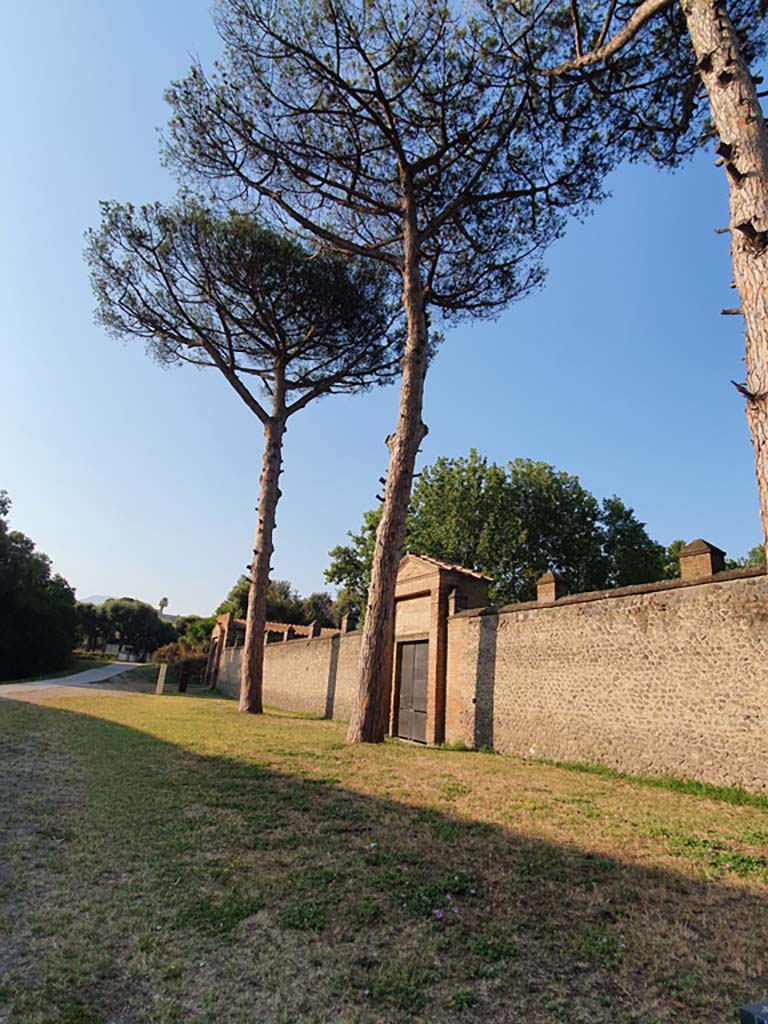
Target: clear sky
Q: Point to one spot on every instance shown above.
(142, 481)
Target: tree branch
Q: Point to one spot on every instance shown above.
(647, 10)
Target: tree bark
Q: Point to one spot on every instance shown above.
(370, 713)
(739, 122)
(252, 667)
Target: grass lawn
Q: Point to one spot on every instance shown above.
(165, 859)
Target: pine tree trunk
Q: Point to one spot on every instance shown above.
(740, 124)
(252, 667)
(370, 713)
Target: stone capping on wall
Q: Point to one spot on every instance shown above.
(601, 595)
(330, 634)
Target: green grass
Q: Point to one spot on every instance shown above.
(165, 859)
(691, 787)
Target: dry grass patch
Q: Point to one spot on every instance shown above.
(165, 859)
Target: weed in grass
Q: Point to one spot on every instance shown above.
(757, 838)
(492, 948)
(435, 899)
(365, 912)
(458, 745)
(541, 863)
(685, 989)
(719, 855)
(452, 789)
(599, 946)
(303, 916)
(346, 810)
(442, 827)
(216, 916)
(529, 805)
(307, 910)
(403, 987)
(289, 841)
(76, 1013)
(463, 999)
(557, 1007)
(448, 830)
(313, 878)
(592, 868)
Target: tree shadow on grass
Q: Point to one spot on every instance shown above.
(144, 882)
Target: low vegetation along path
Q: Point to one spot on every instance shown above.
(164, 859)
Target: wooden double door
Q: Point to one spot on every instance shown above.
(412, 661)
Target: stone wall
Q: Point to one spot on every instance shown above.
(412, 615)
(668, 678)
(659, 679)
(318, 676)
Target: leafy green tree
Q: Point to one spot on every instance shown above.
(672, 560)
(93, 627)
(629, 553)
(319, 608)
(350, 566)
(137, 625)
(347, 603)
(283, 604)
(512, 523)
(754, 558)
(756, 555)
(37, 607)
(460, 507)
(236, 601)
(281, 322)
(194, 631)
(557, 528)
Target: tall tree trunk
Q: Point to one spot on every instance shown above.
(252, 667)
(370, 713)
(739, 122)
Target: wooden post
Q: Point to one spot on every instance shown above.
(161, 677)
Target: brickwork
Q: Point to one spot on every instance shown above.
(671, 679)
(425, 589)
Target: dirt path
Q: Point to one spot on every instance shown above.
(114, 679)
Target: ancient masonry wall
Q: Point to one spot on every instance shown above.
(660, 679)
(671, 679)
(317, 676)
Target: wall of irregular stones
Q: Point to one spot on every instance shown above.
(667, 678)
(671, 679)
(317, 676)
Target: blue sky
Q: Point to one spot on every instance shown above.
(142, 481)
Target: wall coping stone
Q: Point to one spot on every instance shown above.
(617, 592)
(700, 547)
